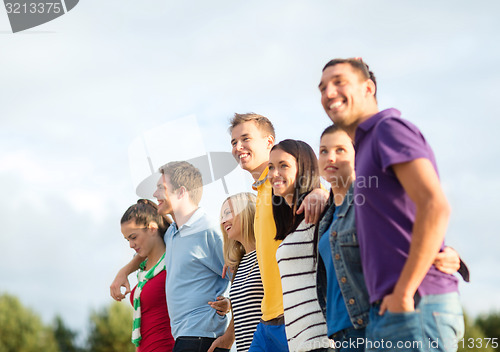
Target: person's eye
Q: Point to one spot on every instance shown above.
(271, 167)
(323, 151)
(341, 150)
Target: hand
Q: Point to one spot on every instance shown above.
(222, 305)
(396, 304)
(120, 281)
(447, 261)
(313, 205)
(225, 269)
(224, 341)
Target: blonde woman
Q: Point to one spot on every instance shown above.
(237, 218)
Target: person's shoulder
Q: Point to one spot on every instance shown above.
(394, 125)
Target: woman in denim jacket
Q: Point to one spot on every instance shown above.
(344, 299)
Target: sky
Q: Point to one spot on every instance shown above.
(77, 91)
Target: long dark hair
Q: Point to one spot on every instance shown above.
(307, 179)
(143, 212)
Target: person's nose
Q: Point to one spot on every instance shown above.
(238, 145)
(273, 173)
(330, 91)
(332, 157)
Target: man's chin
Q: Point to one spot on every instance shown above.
(162, 212)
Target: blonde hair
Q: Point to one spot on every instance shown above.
(262, 122)
(243, 206)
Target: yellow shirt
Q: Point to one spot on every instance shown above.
(266, 245)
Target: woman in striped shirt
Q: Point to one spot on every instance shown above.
(237, 218)
(293, 173)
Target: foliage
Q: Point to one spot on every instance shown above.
(110, 329)
(21, 330)
(490, 324)
(474, 338)
(64, 336)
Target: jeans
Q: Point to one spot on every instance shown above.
(195, 344)
(271, 338)
(349, 340)
(437, 324)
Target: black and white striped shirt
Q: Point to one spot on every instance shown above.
(305, 324)
(246, 296)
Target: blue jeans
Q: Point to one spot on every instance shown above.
(270, 338)
(437, 324)
(349, 340)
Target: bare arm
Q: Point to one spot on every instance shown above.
(226, 340)
(121, 279)
(421, 183)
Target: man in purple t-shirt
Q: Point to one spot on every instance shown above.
(401, 217)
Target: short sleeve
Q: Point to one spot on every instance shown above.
(399, 141)
(215, 259)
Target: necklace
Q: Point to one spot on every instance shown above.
(251, 269)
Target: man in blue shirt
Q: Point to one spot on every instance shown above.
(194, 260)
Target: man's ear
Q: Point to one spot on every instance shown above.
(270, 141)
(370, 87)
(181, 192)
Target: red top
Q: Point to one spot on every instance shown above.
(155, 323)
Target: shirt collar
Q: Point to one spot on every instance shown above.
(196, 223)
(262, 179)
(367, 125)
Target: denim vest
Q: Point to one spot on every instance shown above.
(346, 260)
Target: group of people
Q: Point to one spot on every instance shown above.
(362, 266)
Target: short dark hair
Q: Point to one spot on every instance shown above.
(331, 129)
(306, 180)
(184, 174)
(359, 65)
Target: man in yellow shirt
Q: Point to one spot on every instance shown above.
(252, 137)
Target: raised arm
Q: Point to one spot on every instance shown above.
(121, 279)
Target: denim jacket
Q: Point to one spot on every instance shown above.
(346, 259)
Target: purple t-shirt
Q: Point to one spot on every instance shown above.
(384, 212)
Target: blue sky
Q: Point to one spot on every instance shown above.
(78, 90)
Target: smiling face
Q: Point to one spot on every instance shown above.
(336, 159)
(346, 97)
(140, 238)
(230, 222)
(282, 173)
(163, 194)
(250, 147)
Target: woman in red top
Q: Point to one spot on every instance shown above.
(144, 229)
